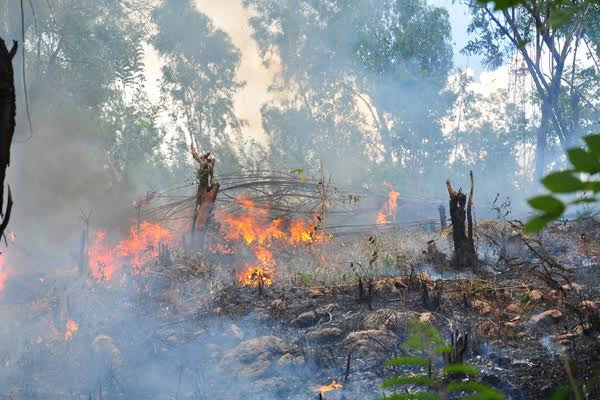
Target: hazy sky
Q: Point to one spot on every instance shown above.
(459, 18)
(231, 17)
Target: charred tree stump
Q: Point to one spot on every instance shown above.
(164, 255)
(458, 347)
(464, 247)
(8, 109)
(206, 196)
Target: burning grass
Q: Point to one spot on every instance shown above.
(309, 317)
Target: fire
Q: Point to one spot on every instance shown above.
(220, 248)
(72, 327)
(261, 273)
(3, 273)
(255, 276)
(328, 388)
(389, 207)
(254, 227)
(135, 251)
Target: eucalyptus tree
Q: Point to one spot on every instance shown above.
(199, 79)
(84, 61)
(405, 51)
(549, 36)
(352, 64)
(95, 142)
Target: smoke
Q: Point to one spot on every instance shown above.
(316, 91)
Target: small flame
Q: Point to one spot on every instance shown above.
(135, 251)
(72, 327)
(389, 207)
(328, 388)
(255, 276)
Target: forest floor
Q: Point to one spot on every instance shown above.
(188, 331)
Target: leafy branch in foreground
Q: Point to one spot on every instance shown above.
(560, 11)
(585, 162)
(423, 344)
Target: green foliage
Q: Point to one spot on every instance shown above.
(560, 393)
(560, 15)
(461, 369)
(424, 340)
(413, 396)
(584, 162)
(407, 360)
(482, 392)
(199, 79)
(342, 59)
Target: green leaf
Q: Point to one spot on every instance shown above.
(297, 171)
(593, 144)
(464, 369)
(561, 16)
(583, 161)
(445, 349)
(422, 380)
(407, 360)
(547, 203)
(591, 186)
(562, 182)
(562, 392)
(484, 392)
(538, 223)
(503, 4)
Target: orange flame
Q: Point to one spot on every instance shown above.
(254, 227)
(328, 388)
(388, 209)
(134, 251)
(72, 327)
(254, 276)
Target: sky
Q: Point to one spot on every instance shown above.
(459, 18)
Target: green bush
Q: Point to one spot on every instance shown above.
(585, 162)
(423, 345)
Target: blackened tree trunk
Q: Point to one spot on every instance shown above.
(7, 122)
(462, 226)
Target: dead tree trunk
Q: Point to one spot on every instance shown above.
(442, 211)
(206, 196)
(8, 110)
(83, 259)
(464, 247)
(138, 205)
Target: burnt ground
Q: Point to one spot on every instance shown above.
(187, 331)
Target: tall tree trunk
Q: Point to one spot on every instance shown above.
(542, 137)
(8, 110)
